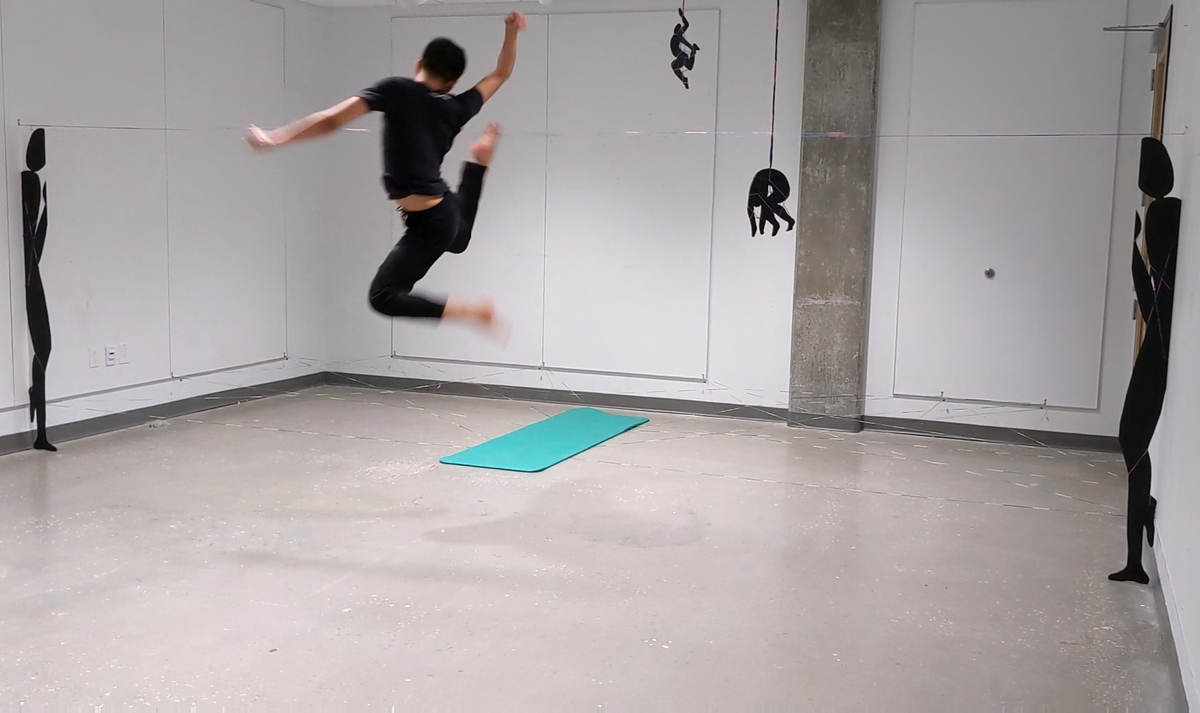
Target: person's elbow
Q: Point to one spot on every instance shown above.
(339, 116)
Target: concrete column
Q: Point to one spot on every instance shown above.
(835, 221)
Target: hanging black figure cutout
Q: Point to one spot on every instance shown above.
(768, 191)
(34, 214)
(1148, 383)
(683, 51)
(770, 188)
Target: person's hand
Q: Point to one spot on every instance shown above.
(516, 21)
(259, 139)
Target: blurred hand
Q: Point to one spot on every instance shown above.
(516, 21)
(259, 139)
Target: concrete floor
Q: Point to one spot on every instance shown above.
(308, 550)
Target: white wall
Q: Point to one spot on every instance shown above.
(982, 191)
(7, 284)
(748, 310)
(751, 284)
(337, 224)
(1094, 401)
(166, 234)
(1177, 450)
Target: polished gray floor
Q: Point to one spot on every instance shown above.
(308, 550)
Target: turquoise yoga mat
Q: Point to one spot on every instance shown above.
(546, 443)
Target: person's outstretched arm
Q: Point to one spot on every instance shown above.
(312, 126)
(513, 24)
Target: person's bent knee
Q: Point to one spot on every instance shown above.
(378, 301)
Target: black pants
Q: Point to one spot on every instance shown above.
(428, 235)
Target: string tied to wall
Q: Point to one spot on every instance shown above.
(770, 187)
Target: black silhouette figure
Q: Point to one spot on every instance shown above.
(34, 223)
(1148, 384)
(768, 191)
(684, 51)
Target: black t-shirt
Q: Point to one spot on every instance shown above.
(419, 127)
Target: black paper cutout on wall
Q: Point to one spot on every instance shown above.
(768, 191)
(34, 225)
(683, 51)
(770, 188)
(1156, 173)
(1155, 289)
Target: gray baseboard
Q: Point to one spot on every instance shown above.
(115, 422)
(995, 434)
(553, 396)
(845, 424)
(856, 424)
(939, 429)
(140, 417)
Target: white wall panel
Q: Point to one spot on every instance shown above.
(225, 69)
(225, 64)
(104, 264)
(629, 217)
(8, 287)
(227, 253)
(1033, 201)
(84, 63)
(1038, 212)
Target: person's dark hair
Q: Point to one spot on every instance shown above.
(444, 59)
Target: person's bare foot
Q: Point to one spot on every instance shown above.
(481, 312)
(485, 313)
(486, 145)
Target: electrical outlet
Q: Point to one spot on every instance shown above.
(123, 353)
(94, 358)
(110, 356)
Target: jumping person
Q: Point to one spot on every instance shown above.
(421, 121)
